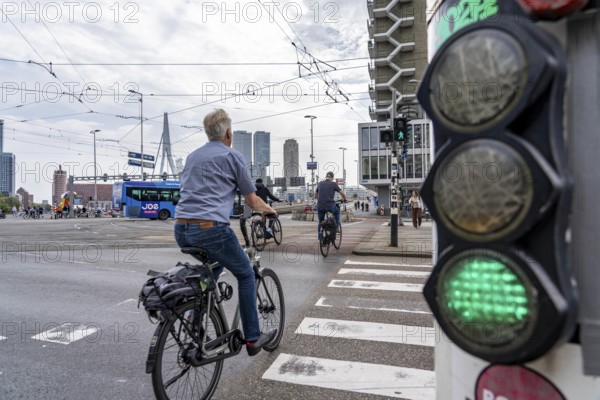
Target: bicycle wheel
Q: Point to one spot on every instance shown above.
(258, 234)
(324, 246)
(277, 231)
(173, 376)
(338, 237)
(271, 306)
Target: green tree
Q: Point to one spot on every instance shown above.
(6, 203)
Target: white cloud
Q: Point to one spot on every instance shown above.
(179, 54)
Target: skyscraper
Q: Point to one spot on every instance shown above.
(8, 164)
(291, 167)
(262, 153)
(242, 142)
(59, 184)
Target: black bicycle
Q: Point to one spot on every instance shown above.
(194, 337)
(331, 232)
(263, 228)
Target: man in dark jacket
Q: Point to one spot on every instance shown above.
(263, 192)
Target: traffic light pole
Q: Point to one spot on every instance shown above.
(584, 60)
(394, 183)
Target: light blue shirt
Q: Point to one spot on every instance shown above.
(210, 180)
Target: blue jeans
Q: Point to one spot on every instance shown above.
(223, 246)
(321, 212)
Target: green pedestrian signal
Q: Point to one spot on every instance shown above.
(400, 128)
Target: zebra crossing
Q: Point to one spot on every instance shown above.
(376, 307)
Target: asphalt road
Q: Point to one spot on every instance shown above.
(70, 327)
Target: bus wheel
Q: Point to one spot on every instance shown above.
(163, 214)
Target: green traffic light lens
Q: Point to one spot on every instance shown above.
(483, 190)
(479, 80)
(486, 298)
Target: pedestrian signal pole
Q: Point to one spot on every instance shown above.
(395, 177)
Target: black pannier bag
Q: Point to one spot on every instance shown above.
(329, 230)
(167, 290)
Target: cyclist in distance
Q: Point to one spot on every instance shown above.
(264, 193)
(209, 182)
(325, 196)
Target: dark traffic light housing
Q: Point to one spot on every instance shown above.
(499, 191)
(386, 135)
(400, 128)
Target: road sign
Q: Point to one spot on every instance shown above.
(279, 181)
(514, 382)
(311, 165)
(133, 154)
(297, 181)
(138, 163)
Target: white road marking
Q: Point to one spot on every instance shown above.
(366, 304)
(384, 272)
(65, 333)
(376, 379)
(372, 285)
(2, 338)
(350, 262)
(124, 302)
(372, 331)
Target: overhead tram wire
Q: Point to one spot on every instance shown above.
(46, 65)
(186, 64)
(336, 87)
(59, 45)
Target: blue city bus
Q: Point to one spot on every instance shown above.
(141, 199)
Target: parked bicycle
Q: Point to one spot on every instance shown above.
(193, 335)
(331, 232)
(263, 228)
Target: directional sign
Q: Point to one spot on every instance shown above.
(132, 154)
(297, 181)
(138, 163)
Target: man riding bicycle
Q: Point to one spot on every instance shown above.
(264, 193)
(325, 196)
(209, 183)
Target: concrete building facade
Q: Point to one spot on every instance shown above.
(398, 52)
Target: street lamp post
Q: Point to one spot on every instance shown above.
(312, 158)
(343, 165)
(141, 130)
(95, 169)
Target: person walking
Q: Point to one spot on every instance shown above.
(210, 181)
(416, 205)
(325, 196)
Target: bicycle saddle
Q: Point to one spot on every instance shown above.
(196, 251)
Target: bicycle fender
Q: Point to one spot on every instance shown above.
(152, 351)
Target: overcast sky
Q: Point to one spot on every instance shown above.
(67, 66)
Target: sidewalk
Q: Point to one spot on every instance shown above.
(411, 242)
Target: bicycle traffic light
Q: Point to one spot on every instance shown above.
(400, 127)
(499, 192)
